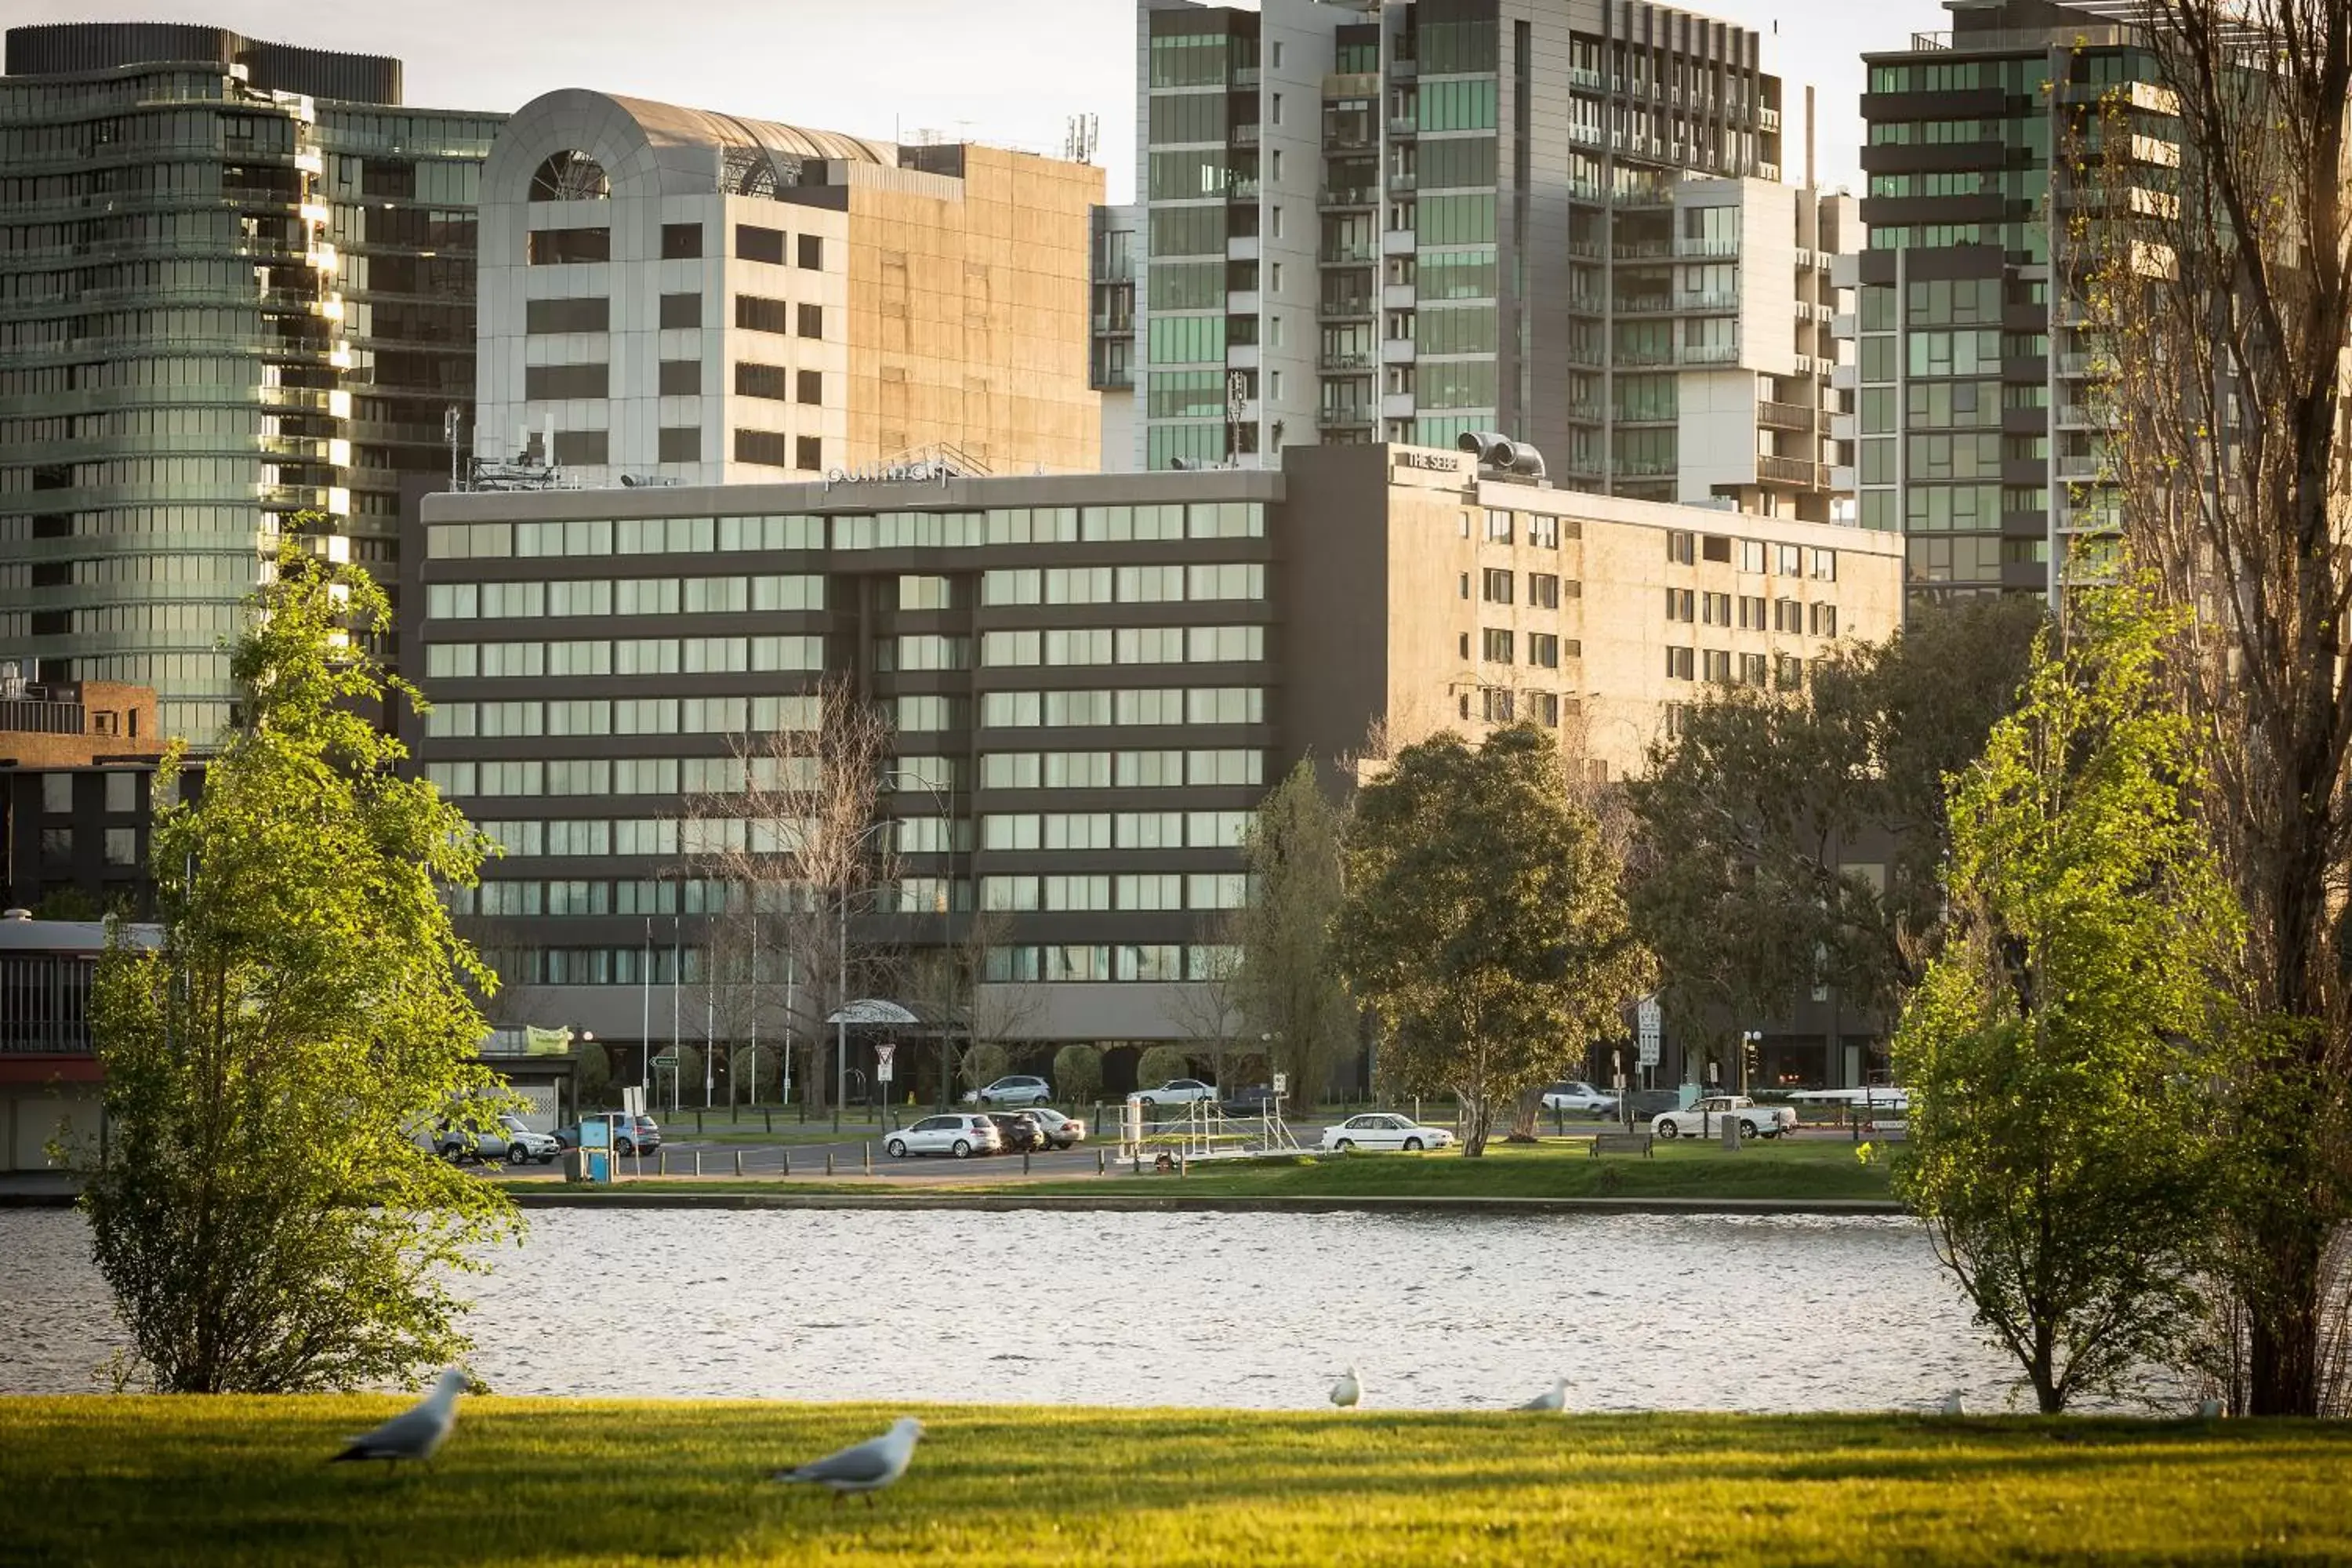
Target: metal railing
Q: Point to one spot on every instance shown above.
(1784, 416)
(1789, 470)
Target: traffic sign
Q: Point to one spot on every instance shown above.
(882, 1055)
(1282, 1083)
(667, 1059)
(1649, 1027)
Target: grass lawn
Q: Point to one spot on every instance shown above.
(532, 1481)
(1558, 1168)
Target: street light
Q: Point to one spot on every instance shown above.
(944, 797)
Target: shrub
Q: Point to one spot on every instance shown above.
(1159, 1064)
(1079, 1073)
(985, 1064)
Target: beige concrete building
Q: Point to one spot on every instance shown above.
(675, 296)
(1483, 599)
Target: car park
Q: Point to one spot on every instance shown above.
(1014, 1090)
(1062, 1132)
(1382, 1130)
(962, 1133)
(1257, 1099)
(1177, 1091)
(507, 1141)
(1705, 1118)
(1021, 1129)
(1579, 1097)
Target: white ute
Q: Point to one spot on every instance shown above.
(1705, 1117)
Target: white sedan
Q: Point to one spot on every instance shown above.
(1177, 1091)
(1580, 1097)
(1382, 1130)
(959, 1133)
(1060, 1129)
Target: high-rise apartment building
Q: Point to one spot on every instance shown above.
(702, 298)
(1093, 680)
(236, 283)
(1976, 431)
(1558, 219)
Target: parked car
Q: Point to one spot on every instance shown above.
(1177, 1091)
(1257, 1099)
(646, 1136)
(1384, 1130)
(1706, 1115)
(1016, 1090)
(625, 1135)
(1021, 1129)
(509, 1142)
(962, 1133)
(1061, 1131)
(1580, 1097)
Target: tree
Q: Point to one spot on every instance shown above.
(2057, 1051)
(1755, 824)
(1483, 921)
(2223, 296)
(1208, 1006)
(269, 1220)
(1157, 1064)
(948, 984)
(1286, 986)
(791, 832)
(1077, 1074)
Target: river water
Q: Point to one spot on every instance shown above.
(1246, 1310)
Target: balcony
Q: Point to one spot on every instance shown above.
(1346, 308)
(1244, 135)
(1241, 190)
(1587, 191)
(1716, 303)
(1706, 354)
(1404, 125)
(1718, 249)
(1772, 470)
(1589, 136)
(1245, 75)
(1584, 413)
(1642, 304)
(1396, 242)
(1343, 417)
(1586, 304)
(1403, 181)
(1643, 250)
(1590, 80)
(1399, 350)
(1767, 118)
(1358, 253)
(1345, 361)
(1784, 416)
(2080, 467)
(1347, 196)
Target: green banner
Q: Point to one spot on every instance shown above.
(538, 1042)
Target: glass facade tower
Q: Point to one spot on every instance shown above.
(235, 284)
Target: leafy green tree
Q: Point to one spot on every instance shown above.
(269, 1220)
(1483, 921)
(1157, 1064)
(1755, 822)
(2057, 1051)
(1077, 1074)
(1285, 985)
(983, 1064)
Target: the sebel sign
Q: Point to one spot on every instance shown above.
(1425, 460)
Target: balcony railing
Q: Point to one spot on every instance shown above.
(1347, 195)
(1708, 302)
(1643, 250)
(1356, 254)
(1244, 135)
(1343, 417)
(1791, 471)
(1784, 416)
(1640, 304)
(1345, 361)
(1688, 245)
(1706, 354)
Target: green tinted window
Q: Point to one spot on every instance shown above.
(1457, 105)
(1188, 231)
(1454, 330)
(1457, 162)
(1196, 59)
(1187, 285)
(1458, 274)
(1186, 340)
(1455, 220)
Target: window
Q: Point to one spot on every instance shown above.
(681, 241)
(682, 310)
(1494, 582)
(755, 243)
(768, 381)
(754, 314)
(579, 446)
(1681, 604)
(1825, 565)
(122, 793)
(1495, 644)
(811, 322)
(1678, 664)
(1788, 615)
(1543, 591)
(810, 255)
(559, 245)
(1682, 549)
(766, 447)
(809, 386)
(678, 444)
(1714, 609)
(567, 315)
(808, 452)
(555, 383)
(1715, 665)
(680, 378)
(1543, 650)
(1824, 618)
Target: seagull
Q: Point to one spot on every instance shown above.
(2208, 1410)
(1348, 1390)
(1952, 1404)
(1555, 1398)
(415, 1432)
(867, 1467)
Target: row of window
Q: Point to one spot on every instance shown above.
(1153, 890)
(1052, 831)
(623, 656)
(1122, 585)
(631, 775)
(1497, 584)
(610, 716)
(626, 597)
(1164, 769)
(1119, 645)
(862, 530)
(1538, 529)
(1752, 616)
(661, 964)
(1500, 645)
(1149, 705)
(1783, 672)
(1753, 555)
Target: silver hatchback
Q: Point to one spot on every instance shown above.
(958, 1133)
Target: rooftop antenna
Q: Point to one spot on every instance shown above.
(1081, 138)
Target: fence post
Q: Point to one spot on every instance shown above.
(738, 1161)
(767, 1119)
(697, 1162)
(697, 1125)
(1025, 1162)
(661, 1164)
(1102, 1161)
(866, 1151)
(786, 1155)
(828, 1161)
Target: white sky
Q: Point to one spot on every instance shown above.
(1009, 72)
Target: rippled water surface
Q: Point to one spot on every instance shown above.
(1638, 1312)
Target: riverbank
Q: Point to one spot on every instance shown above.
(537, 1481)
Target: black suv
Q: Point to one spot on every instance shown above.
(1021, 1132)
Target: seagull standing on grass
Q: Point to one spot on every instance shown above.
(867, 1467)
(415, 1432)
(1555, 1398)
(1349, 1391)
(1953, 1404)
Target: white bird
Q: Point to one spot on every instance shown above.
(415, 1432)
(1553, 1398)
(1349, 1391)
(1952, 1404)
(2208, 1410)
(867, 1467)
